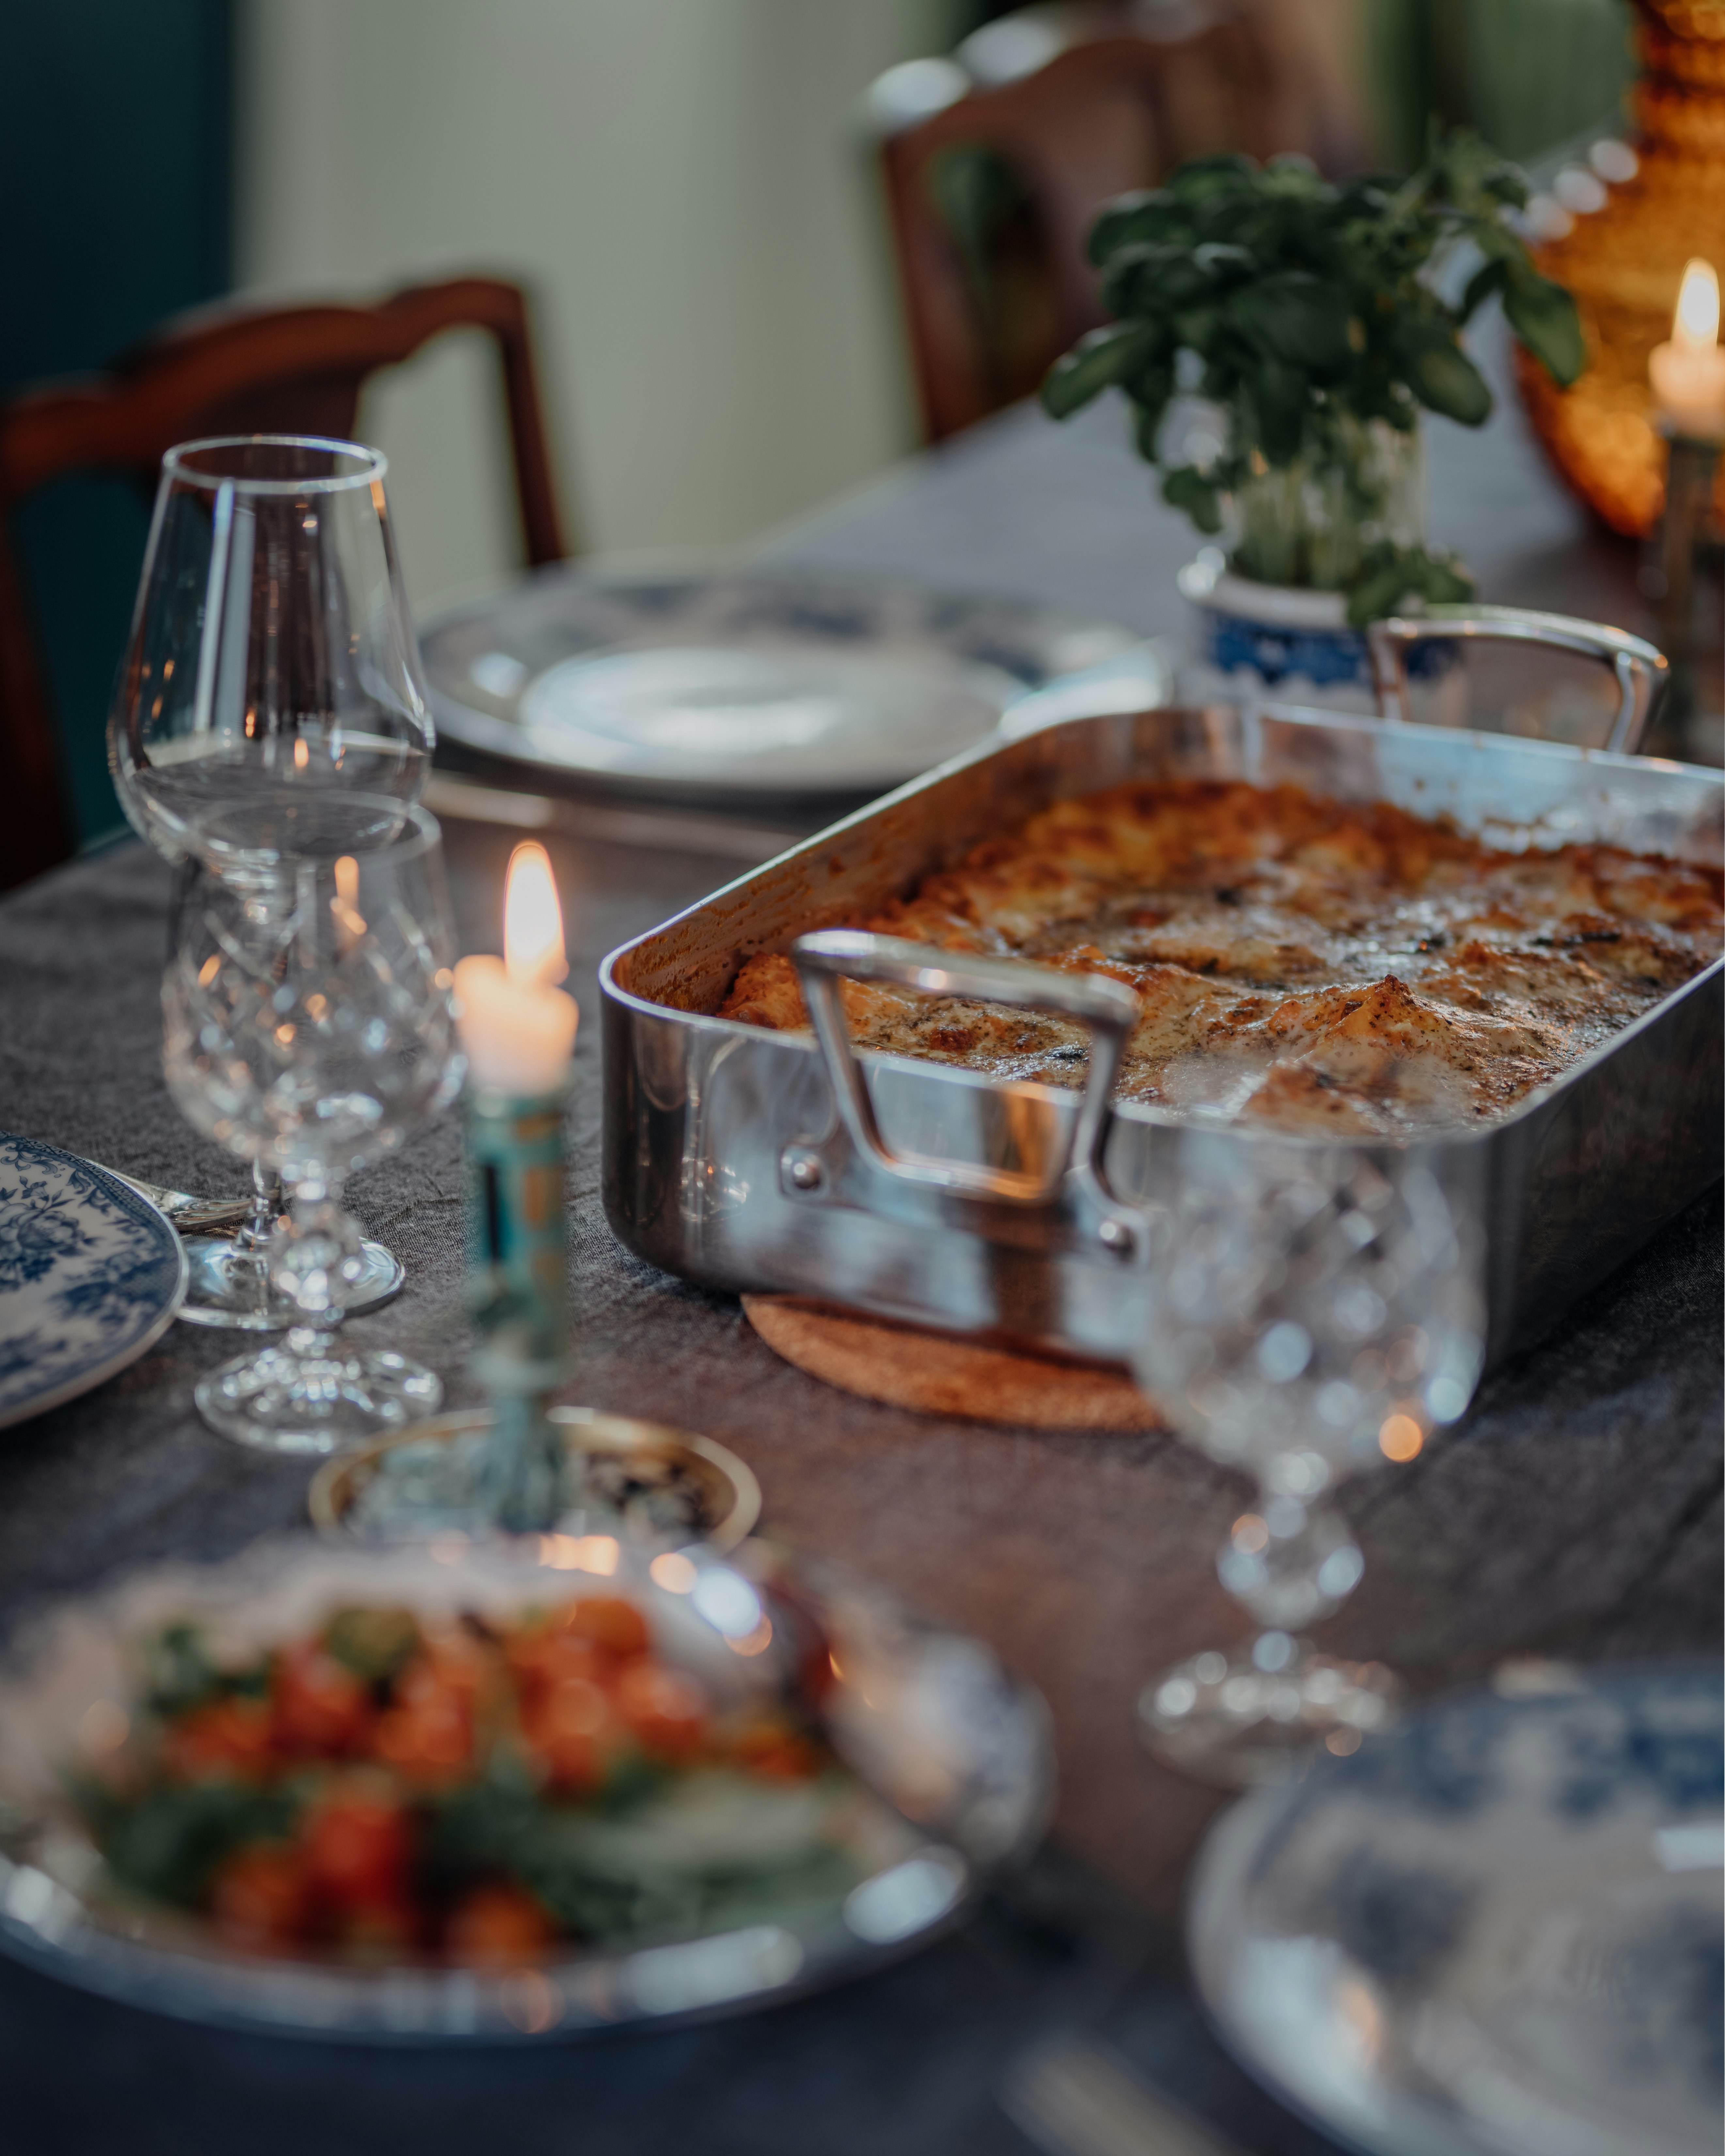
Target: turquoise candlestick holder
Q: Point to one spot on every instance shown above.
(518, 1295)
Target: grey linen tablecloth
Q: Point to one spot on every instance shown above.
(1575, 1513)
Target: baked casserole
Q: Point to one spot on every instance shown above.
(1330, 968)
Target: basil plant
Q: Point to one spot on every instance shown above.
(1309, 312)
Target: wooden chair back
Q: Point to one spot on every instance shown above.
(229, 371)
(1080, 103)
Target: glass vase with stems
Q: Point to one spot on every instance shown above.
(1356, 484)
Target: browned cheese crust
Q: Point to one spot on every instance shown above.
(1320, 966)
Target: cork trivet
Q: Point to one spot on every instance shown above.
(940, 1374)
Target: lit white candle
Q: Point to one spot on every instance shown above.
(517, 1027)
(1688, 374)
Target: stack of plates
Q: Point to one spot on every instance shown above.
(755, 685)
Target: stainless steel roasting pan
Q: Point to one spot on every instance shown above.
(748, 1159)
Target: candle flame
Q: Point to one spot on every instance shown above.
(350, 922)
(1696, 325)
(532, 919)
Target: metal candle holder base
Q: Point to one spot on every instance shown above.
(645, 1483)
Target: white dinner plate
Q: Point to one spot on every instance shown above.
(1493, 1931)
(91, 1273)
(753, 684)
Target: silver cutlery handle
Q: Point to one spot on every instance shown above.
(1641, 670)
(1106, 1008)
(189, 1215)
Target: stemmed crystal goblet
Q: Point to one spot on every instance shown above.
(1312, 1309)
(308, 1026)
(272, 668)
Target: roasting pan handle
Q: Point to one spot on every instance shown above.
(1641, 670)
(1107, 1008)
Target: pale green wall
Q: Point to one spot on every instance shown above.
(684, 185)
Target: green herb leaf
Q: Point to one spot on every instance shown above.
(1442, 579)
(1281, 395)
(1219, 380)
(1200, 328)
(1439, 373)
(1376, 596)
(1135, 220)
(1543, 315)
(1390, 575)
(170, 1843)
(1194, 492)
(180, 1673)
(1295, 317)
(1223, 262)
(1150, 391)
(1235, 220)
(1486, 280)
(1200, 178)
(1368, 196)
(1097, 362)
(1507, 185)
(1154, 279)
(372, 1643)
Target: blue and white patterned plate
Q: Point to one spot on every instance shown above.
(1494, 1931)
(91, 1274)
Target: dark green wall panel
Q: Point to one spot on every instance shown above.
(115, 210)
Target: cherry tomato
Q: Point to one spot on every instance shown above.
(576, 1708)
(573, 1730)
(546, 1657)
(451, 1660)
(778, 1753)
(357, 1849)
(609, 1622)
(496, 1926)
(570, 1762)
(229, 1737)
(431, 1741)
(259, 1897)
(665, 1710)
(321, 1708)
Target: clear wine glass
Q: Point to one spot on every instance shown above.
(271, 666)
(308, 1026)
(1312, 1309)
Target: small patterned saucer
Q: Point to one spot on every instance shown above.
(90, 1274)
(1494, 1930)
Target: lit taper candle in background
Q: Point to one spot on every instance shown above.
(518, 1030)
(1687, 375)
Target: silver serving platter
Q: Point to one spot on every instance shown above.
(751, 1160)
(957, 1753)
(751, 685)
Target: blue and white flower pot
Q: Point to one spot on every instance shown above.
(1253, 643)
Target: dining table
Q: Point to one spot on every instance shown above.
(1572, 1515)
